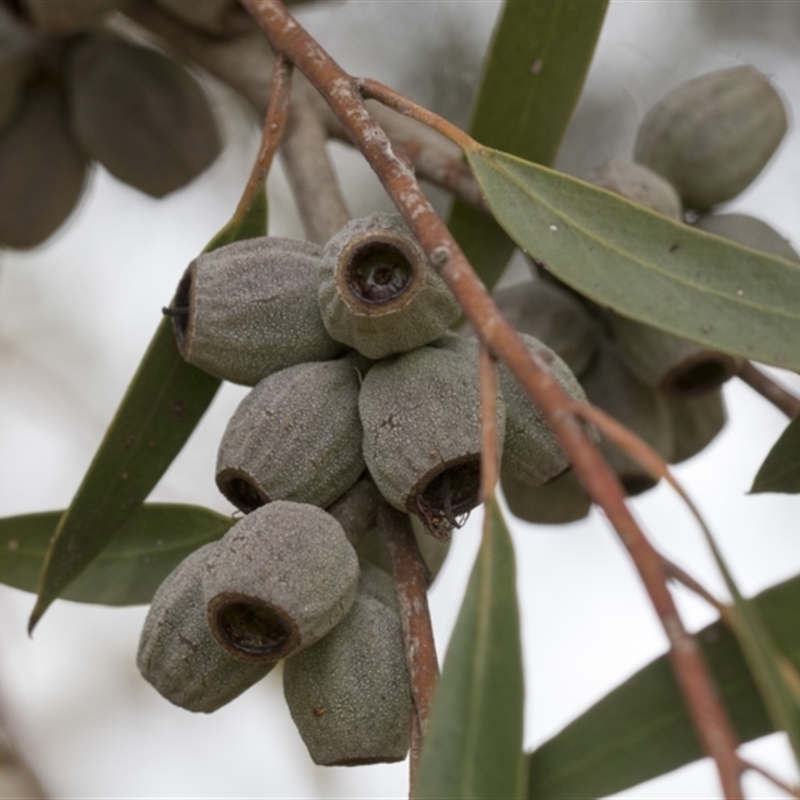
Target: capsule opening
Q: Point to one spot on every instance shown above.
(378, 271)
(241, 491)
(446, 500)
(250, 630)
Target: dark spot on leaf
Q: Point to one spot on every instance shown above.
(129, 441)
(124, 476)
(673, 248)
(177, 408)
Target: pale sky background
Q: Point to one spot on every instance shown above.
(77, 313)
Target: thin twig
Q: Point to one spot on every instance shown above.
(314, 183)
(410, 581)
(770, 389)
(487, 371)
(792, 791)
(274, 123)
(342, 94)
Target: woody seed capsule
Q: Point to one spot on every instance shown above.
(296, 436)
(178, 655)
(638, 184)
(349, 694)
(249, 309)
(140, 114)
(556, 503)
(749, 231)
(377, 291)
(422, 430)
(712, 135)
(278, 581)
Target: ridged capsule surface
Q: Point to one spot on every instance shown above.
(278, 581)
(178, 655)
(378, 293)
(296, 436)
(349, 694)
(249, 309)
(422, 430)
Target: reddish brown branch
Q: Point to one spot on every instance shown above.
(274, 123)
(487, 371)
(342, 94)
(770, 389)
(410, 581)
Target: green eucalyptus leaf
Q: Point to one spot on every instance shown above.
(162, 406)
(533, 75)
(644, 265)
(473, 747)
(641, 729)
(148, 546)
(780, 471)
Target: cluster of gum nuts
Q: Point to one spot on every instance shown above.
(360, 396)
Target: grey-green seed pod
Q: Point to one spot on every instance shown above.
(422, 431)
(177, 653)
(42, 170)
(17, 64)
(556, 503)
(531, 452)
(296, 436)
(434, 551)
(712, 135)
(638, 184)
(278, 581)
(553, 316)
(611, 386)
(377, 291)
(69, 16)
(749, 231)
(349, 694)
(672, 365)
(696, 422)
(140, 114)
(219, 17)
(249, 309)
(357, 509)
(377, 583)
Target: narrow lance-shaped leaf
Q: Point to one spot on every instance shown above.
(162, 406)
(780, 471)
(645, 266)
(641, 729)
(148, 546)
(473, 747)
(533, 74)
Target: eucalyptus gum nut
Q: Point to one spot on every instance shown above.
(219, 17)
(296, 436)
(278, 581)
(552, 315)
(42, 170)
(178, 655)
(377, 583)
(377, 291)
(531, 452)
(372, 550)
(357, 509)
(559, 502)
(249, 309)
(140, 114)
(749, 231)
(349, 694)
(639, 184)
(711, 136)
(68, 16)
(696, 421)
(16, 67)
(422, 430)
(611, 386)
(672, 365)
